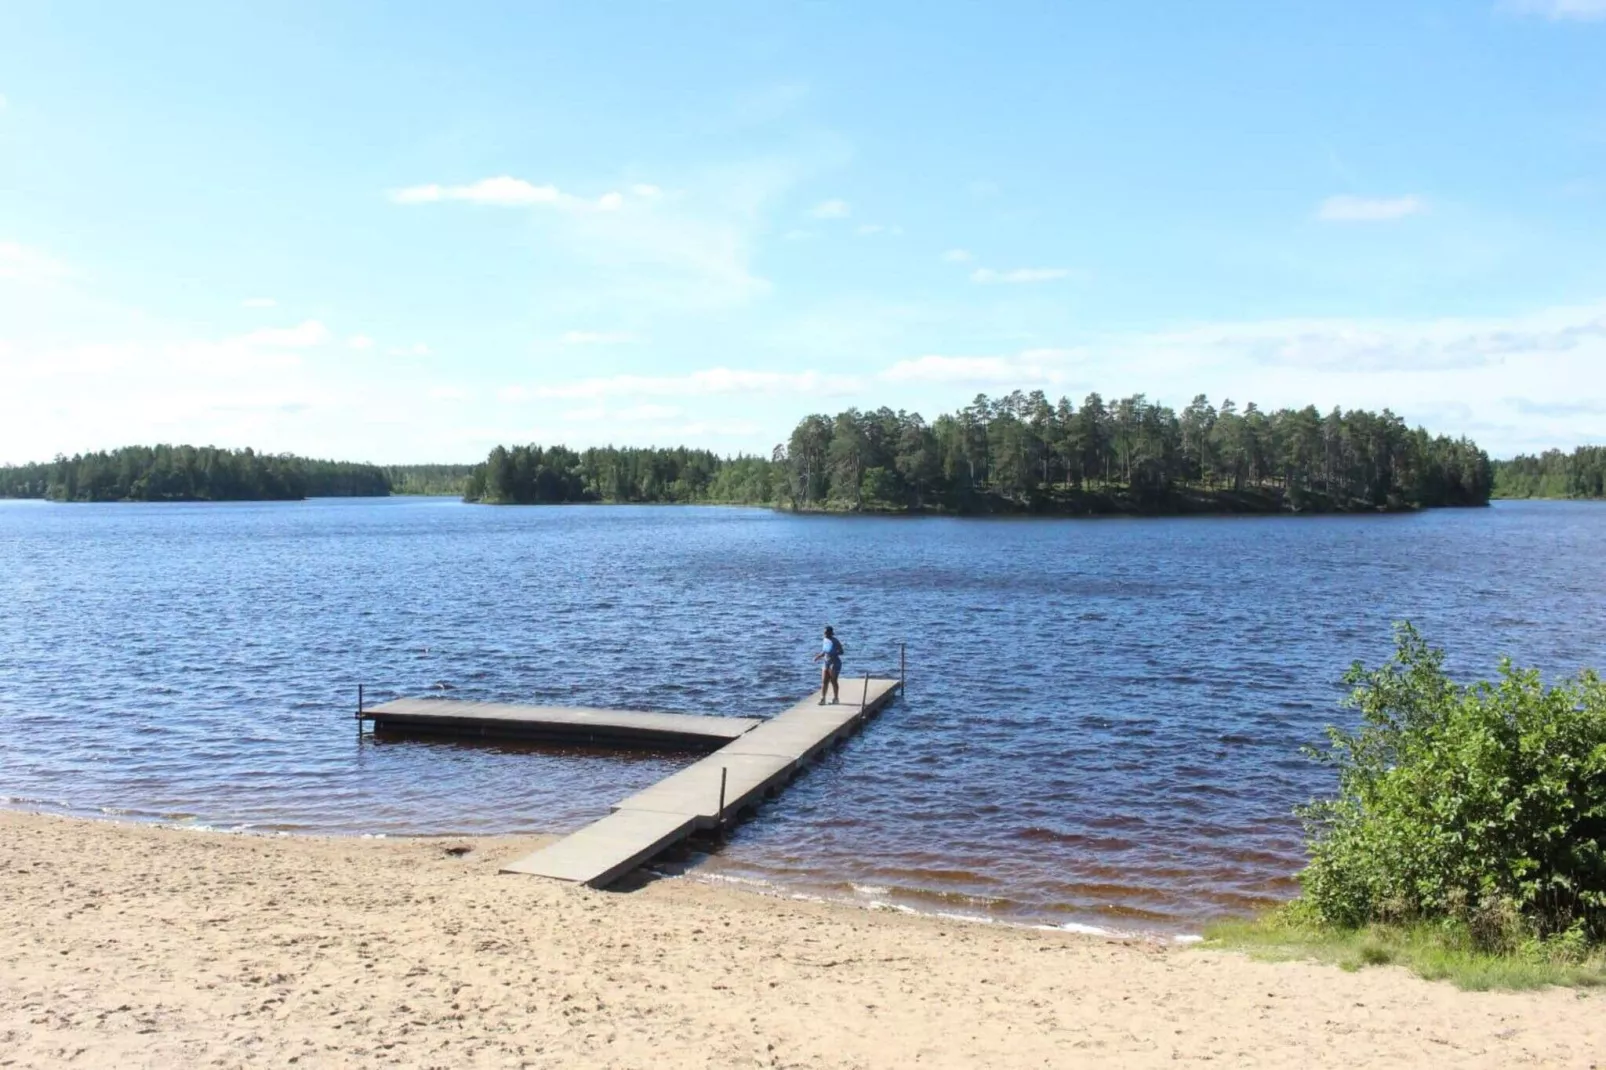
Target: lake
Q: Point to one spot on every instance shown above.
(1102, 724)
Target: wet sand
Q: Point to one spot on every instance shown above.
(136, 946)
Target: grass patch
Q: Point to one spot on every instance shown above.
(1437, 952)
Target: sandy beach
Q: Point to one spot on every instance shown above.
(137, 946)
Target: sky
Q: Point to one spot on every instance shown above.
(406, 232)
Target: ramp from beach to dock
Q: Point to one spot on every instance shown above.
(754, 765)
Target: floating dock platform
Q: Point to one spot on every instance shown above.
(629, 728)
(755, 765)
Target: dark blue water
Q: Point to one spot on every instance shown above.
(1102, 724)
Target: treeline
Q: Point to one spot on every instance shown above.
(1553, 474)
(189, 473)
(533, 475)
(1025, 453)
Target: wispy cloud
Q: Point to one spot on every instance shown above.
(987, 276)
(508, 192)
(1559, 10)
(866, 230)
(597, 338)
(1360, 347)
(832, 209)
(956, 256)
(1529, 407)
(1348, 209)
(258, 302)
(23, 264)
(417, 349)
(359, 341)
(307, 334)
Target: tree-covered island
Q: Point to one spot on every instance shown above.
(1025, 454)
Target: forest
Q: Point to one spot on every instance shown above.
(1024, 453)
(1553, 474)
(188, 474)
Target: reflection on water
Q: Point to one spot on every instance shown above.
(1102, 723)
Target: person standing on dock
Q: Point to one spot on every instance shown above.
(831, 651)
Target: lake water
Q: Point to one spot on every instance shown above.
(1101, 727)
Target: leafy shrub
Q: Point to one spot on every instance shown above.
(1483, 806)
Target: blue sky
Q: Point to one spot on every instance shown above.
(405, 232)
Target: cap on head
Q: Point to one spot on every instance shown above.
(827, 629)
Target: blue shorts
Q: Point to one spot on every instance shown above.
(833, 665)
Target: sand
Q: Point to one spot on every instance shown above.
(134, 946)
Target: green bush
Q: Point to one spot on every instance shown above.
(1480, 806)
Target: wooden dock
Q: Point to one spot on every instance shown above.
(756, 764)
(678, 731)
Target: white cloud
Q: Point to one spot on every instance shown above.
(597, 338)
(628, 414)
(709, 381)
(1348, 209)
(865, 230)
(507, 192)
(417, 349)
(1559, 10)
(832, 209)
(956, 256)
(988, 276)
(23, 264)
(646, 191)
(258, 302)
(359, 341)
(309, 333)
(1034, 367)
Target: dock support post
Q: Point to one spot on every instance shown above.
(865, 697)
(359, 702)
(723, 773)
(903, 668)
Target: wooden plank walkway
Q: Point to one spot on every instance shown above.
(756, 765)
(560, 723)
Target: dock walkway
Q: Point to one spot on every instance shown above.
(757, 763)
